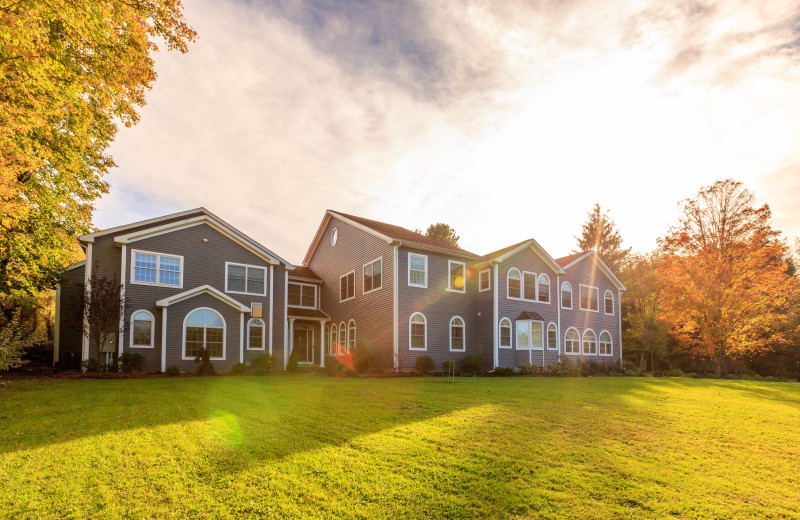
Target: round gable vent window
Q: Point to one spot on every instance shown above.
(334, 236)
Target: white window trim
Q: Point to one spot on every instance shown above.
(488, 281)
(353, 322)
(152, 330)
(611, 341)
(464, 269)
(580, 300)
(301, 295)
(535, 286)
(263, 333)
(463, 333)
(246, 272)
(224, 335)
(342, 344)
(596, 344)
(409, 331)
(510, 334)
(580, 342)
(571, 296)
(334, 343)
(547, 332)
(508, 284)
(425, 257)
(158, 270)
(605, 295)
(549, 284)
(373, 274)
(353, 272)
(334, 236)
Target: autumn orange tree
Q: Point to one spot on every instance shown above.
(725, 289)
(70, 70)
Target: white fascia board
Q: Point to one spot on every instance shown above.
(203, 289)
(603, 267)
(538, 249)
(89, 237)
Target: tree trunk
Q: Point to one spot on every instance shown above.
(720, 365)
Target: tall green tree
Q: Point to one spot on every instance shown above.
(599, 233)
(441, 232)
(70, 71)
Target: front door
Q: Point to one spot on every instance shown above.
(303, 346)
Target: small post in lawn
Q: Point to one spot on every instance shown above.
(451, 371)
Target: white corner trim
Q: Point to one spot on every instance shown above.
(87, 275)
(396, 331)
(163, 339)
(271, 298)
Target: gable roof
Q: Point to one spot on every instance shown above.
(530, 315)
(167, 224)
(387, 232)
(302, 272)
(572, 260)
(202, 289)
(507, 252)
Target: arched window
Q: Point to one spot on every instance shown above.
(204, 328)
(457, 334)
(142, 329)
(505, 333)
(589, 343)
(572, 342)
(417, 332)
(351, 335)
(606, 347)
(566, 296)
(552, 337)
(544, 288)
(342, 338)
(514, 289)
(334, 341)
(255, 334)
(608, 302)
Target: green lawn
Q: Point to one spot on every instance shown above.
(308, 446)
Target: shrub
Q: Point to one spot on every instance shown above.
(90, 365)
(333, 366)
(531, 370)
(563, 367)
(675, 372)
(424, 364)
(503, 371)
(291, 365)
(204, 359)
(238, 369)
(471, 365)
(131, 362)
(633, 373)
(173, 371)
(262, 364)
(365, 361)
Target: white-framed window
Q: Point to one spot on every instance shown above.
(149, 268)
(457, 276)
(255, 334)
(245, 279)
(566, 296)
(334, 343)
(347, 286)
(204, 328)
(351, 335)
(417, 332)
(513, 282)
(552, 337)
(334, 236)
(457, 339)
(342, 338)
(543, 288)
(142, 327)
(589, 297)
(608, 303)
(528, 286)
(505, 333)
(302, 295)
(373, 279)
(589, 343)
(484, 281)
(417, 270)
(530, 335)
(606, 346)
(572, 342)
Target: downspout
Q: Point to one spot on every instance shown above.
(395, 335)
(494, 320)
(123, 268)
(271, 298)
(619, 299)
(87, 275)
(558, 308)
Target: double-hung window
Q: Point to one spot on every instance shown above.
(505, 333)
(513, 280)
(589, 298)
(245, 279)
(157, 269)
(529, 286)
(608, 302)
(302, 295)
(483, 280)
(417, 270)
(456, 281)
(372, 275)
(347, 286)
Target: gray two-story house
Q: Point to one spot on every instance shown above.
(192, 281)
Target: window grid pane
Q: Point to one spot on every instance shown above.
(214, 341)
(294, 294)
(256, 335)
(194, 341)
(236, 278)
(530, 286)
(142, 332)
(308, 296)
(145, 268)
(418, 335)
(255, 280)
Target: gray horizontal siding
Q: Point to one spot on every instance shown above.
(70, 326)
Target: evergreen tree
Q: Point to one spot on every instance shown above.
(599, 234)
(441, 232)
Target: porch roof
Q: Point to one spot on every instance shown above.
(307, 314)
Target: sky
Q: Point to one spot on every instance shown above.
(507, 120)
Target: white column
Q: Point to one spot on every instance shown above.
(241, 337)
(322, 343)
(494, 319)
(87, 275)
(285, 316)
(619, 312)
(163, 339)
(271, 298)
(395, 334)
(122, 270)
(558, 308)
(286, 349)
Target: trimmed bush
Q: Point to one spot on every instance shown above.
(531, 370)
(262, 364)
(291, 365)
(131, 362)
(238, 369)
(204, 359)
(503, 372)
(424, 364)
(471, 365)
(173, 371)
